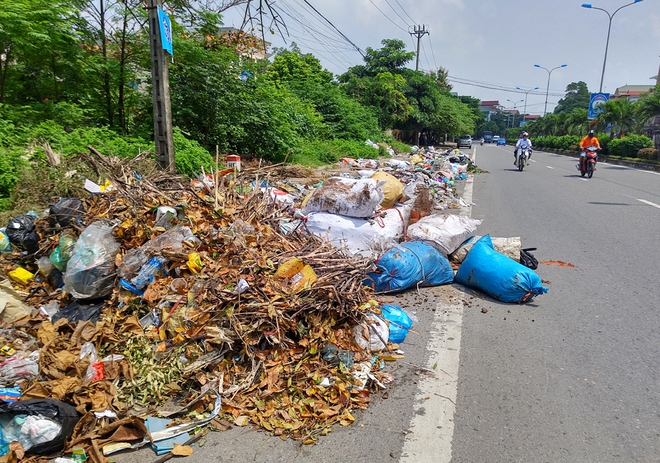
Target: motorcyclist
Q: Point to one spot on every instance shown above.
(482, 141)
(589, 140)
(523, 143)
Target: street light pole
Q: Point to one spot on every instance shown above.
(526, 92)
(547, 90)
(609, 27)
(513, 116)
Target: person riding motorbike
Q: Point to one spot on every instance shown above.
(589, 140)
(523, 143)
(482, 141)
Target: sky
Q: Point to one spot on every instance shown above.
(489, 47)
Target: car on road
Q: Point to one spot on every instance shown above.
(501, 141)
(464, 142)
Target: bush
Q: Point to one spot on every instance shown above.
(629, 146)
(316, 153)
(189, 156)
(604, 140)
(650, 154)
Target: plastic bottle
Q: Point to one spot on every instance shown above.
(148, 272)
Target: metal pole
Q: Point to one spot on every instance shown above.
(419, 32)
(160, 83)
(609, 28)
(547, 90)
(607, 44)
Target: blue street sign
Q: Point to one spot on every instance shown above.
(165, 31)
(597, 100)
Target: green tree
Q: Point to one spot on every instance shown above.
(620, 113)
(35, 38)
(391, 58)
(648, 105)
(577, 96)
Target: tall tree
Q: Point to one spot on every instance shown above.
(391, 58)
(577, 96)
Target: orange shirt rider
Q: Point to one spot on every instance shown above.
(589, 140)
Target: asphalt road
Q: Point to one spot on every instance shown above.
(572, 377)
(575, 376)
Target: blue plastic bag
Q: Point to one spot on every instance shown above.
(498, 275)
(400, 322)
(408, 265)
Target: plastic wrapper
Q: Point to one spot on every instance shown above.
(172, 240)
(21, 232)
(5, 245)
(372, 334)
(16, 369)
(91, 270)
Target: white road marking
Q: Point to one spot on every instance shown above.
(550, 167)
(432, 428)
(649, 203)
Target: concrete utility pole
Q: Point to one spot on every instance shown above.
(419, 32)
(160, 82)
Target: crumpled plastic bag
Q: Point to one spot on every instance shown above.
(62, 414)
(91, 270)
(172, 240)
(16, 369)
(66, 212)
(21, 232)
(372, 334)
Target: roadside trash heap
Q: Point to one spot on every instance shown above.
(158, 308)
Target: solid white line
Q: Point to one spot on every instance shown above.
(649, 203)
(432, 428)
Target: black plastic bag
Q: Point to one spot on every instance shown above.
(67, 212)
(77, 312)
(528, 259)
(21, 233)
(55, 410)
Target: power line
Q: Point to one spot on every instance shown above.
(388, 18)
(397, 13)
(404, 10)
(334, 27)
(426, 56)
(493, 86)
(433, 53)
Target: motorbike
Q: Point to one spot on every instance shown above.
(590, 160)
(523, 157)
(482, 142)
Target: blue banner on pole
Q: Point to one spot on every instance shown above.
(595, 103)
(165, 31)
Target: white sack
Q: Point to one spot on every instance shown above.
(445, 232)
(368, 238)
(346, 196)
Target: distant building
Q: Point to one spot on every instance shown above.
(490, 107)
(631, 92)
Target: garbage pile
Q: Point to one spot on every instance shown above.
(154, 293)
(158, 306)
